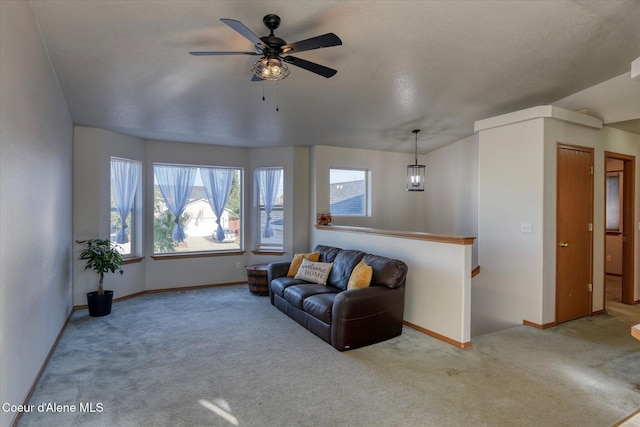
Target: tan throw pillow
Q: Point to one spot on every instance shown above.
(360, 276)
(297, 260)
(314, 272)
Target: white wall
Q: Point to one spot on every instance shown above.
(392, 207)
(452, 191)
(35, 223)
(511, 190)
(93, 149)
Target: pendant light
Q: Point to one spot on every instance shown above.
(415, 172)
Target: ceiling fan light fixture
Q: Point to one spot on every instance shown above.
(270, 69)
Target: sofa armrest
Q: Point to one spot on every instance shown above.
(365, 316)
(277, 269)
(356, 303)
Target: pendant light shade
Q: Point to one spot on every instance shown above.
(415, 172)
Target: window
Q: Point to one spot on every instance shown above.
(269, 183)
(125, 178)
(207, 202)
(348, 190)
(613, 202)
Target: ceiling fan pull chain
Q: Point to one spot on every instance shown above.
(277, 97)
(263, 98)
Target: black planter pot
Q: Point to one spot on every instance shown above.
(99, 305)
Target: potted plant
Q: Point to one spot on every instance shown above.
(102, 256)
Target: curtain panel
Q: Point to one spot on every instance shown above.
(268, 184)
(176, 183)
(217, 184)
(124, 182)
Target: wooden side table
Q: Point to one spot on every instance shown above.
(257, 279)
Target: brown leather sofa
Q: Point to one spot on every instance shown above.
(346, 319)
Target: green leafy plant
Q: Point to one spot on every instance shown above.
(102, 256)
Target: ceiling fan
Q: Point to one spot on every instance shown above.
(275, 52)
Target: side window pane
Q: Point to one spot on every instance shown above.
(207, 203)
(269, 182)
(348, 191)
(125, 176)
(613, 202)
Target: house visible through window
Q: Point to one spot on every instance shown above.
(125, 177)
(348, 190)
(269, 182)
(197, 209)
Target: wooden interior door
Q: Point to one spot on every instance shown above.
(574, 224)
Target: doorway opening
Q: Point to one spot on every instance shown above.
(619, 226)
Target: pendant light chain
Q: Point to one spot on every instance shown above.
(277, 95)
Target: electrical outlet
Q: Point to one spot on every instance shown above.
(525, 228)
(238, 265)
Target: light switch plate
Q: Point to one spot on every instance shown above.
(525, 228)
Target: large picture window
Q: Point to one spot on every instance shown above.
(269, 182)
(197, 209)
(348, 190)
(125, 177)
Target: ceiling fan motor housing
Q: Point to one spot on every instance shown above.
(271, 21)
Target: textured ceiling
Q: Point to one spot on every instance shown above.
(434, 65)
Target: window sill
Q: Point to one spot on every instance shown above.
(132, 260)
(262, 252)
(159, 257)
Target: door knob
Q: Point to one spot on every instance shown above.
(563, 244)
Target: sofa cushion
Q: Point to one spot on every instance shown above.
(343, 265)
(314, 272)
(281, 283)
(360, 276)
(297, 261)
(296, 294)
(319, 306)
(327, 253)
(386, 271)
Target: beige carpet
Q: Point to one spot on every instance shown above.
(223, 357)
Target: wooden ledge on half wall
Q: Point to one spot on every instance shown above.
(416, 235)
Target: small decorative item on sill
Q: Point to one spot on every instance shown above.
(324, 219)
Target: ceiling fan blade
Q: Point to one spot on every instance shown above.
(310, 66)
(255, 78)
(246, 32)
(325, 40)
(222, 53)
